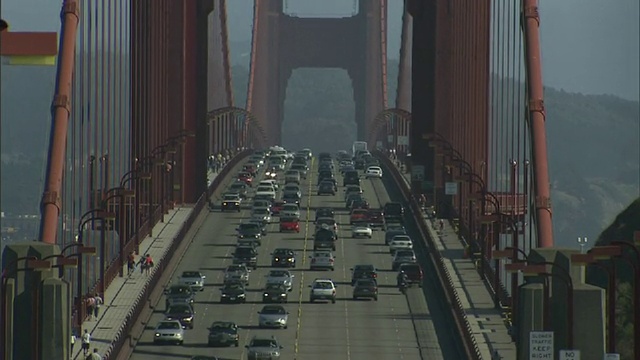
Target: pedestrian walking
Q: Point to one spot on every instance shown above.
(91, 303)
(131, 263)
(72, 343)
(441, 224)
(96, 307)
(86, 342)
(94, 355)
(148, 263)
(142, 263)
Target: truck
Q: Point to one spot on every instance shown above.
(358, 146)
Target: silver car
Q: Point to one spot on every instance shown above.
(169, 331)
(194, 279)
(403, 257)
(361, 230)
(263, 348)
(237, 273)
(322, 260)
(273, 316)
(283, 277)
(261, 214)
(290, 211)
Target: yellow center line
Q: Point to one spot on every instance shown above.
(304, 262)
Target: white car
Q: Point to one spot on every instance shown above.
(266, 189)
(169, 331)
(323, 289)
(373, 172)
(273, 316)
(322, 260)
(263, 215)
(194, 279)
(237, 272)
(282, 277)
(361, 230)
(272, 183)
(400, 242)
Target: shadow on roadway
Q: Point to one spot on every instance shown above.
(220, 245)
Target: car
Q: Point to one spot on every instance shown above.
(292, 189)
(261, 225)
(266, 189)
(183, 313)
(273, 316)
(291, 198)
(275, 293)
(240, 188)
(327, 223)
(326, 188)
(366, 271)
(413, 272)
(263, 215)
(301, 169)
(403, 257)
(393, 232)
(246, 178)
(400, 242)
(283, 277)
(358, 215)
(292, 177)
(374, 172)
(322, 260)
(223, 333)
(233, 292)
(237, 273)
(352, 189)
(250, 168)
(324, 239)
(195, 279)
(290, 211)
(263, 348)
(168, 331)
(322, 289)
(282, 257)
(179, 294)
(330, 180)
(393, 211)
(365, 288)
(276, 207)
(250, 231)
(359, 203)
(289, 224)
(361, 229)
(261, 204)
(231, 202)
(324, 212)
(270, 183)
(247, 255)
(375, 218)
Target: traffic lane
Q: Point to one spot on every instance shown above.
(434, 328)
(211, 252)
(355, 329)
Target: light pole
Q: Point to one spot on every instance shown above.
(582, 241)
(93, 214)
(121, 194)
(136, 175)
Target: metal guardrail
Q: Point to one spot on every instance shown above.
(463, 326)
(140, 302)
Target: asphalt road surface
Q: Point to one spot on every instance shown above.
(349, 329)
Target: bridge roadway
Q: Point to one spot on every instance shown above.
(348, 329)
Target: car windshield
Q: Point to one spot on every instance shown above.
(410, 269)
(191, 274)
(230, 197)
(179, 290)
(248, 226)
(406, 253)
(263, 343)
(364, 283)
(279, 310)
(261, 211)
(322, 285)
(168, 326)
(235, 268)
(290, 207)
(279, 273)
(180, 309)
(286, 220)
(233, 286)
(283, 252)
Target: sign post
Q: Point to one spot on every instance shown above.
(451, 188)
(417, 173)
(541, 345)
(569, 355)
(611, 356)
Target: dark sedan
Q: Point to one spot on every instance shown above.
(181, 312)
(275, 293)
(283, 258)
(223, 333)
(365, 288)
(233, 292)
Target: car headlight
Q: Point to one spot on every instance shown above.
(224, 204)
(276, 259)
(188, 318)
(241, 295)
(157, 335)
(224, 295)
(283, 294)
(265, 294)
(291, 260)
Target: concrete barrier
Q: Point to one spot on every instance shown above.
(459, 316)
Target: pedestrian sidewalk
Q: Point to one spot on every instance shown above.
(487, 322)
(125, 292)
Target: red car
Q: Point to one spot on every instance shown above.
(289, 224)
(250, 168)
(277, 207)
(246, 177)
(358, 215)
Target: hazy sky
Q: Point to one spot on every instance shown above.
(589, 46)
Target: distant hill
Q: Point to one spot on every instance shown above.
(593, 140)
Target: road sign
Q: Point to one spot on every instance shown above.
(403, 140)
(611, 356)
(451, 188)
(569, 355)
(417, 173)
(541, 345)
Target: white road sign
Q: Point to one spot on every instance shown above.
(541, 345)
(569, 355)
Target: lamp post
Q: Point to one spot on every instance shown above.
(121, 193)
(582, 241)
(593, 257)
(93, 214)
(136, 175)
(32, 263)
(167, 148)
(636, 287)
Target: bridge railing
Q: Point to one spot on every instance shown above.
(458, 313)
